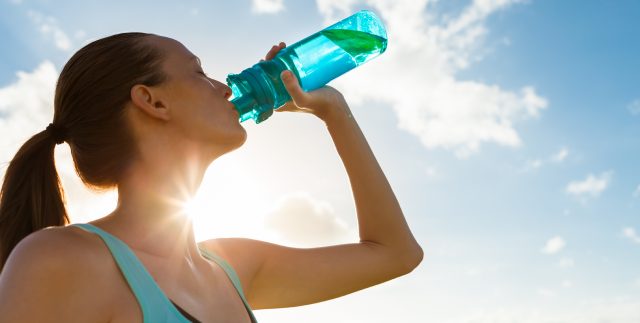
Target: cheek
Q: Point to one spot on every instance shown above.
(202, 114)
(197, 103)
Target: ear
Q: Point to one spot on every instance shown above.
(148, 101)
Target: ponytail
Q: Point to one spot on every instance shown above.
(31, 197)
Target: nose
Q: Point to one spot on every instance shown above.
(226, 90)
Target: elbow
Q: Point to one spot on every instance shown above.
(413, 258)
(408, 258)
(403, 260)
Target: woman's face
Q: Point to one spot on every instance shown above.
(199, 106)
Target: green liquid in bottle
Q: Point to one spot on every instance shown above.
(359, 45)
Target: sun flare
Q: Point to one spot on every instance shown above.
(220, 207)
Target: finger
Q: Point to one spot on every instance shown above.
(298, 95)
(273, 51)
(287, 107)
(270, 54)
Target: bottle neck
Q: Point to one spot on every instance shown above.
(253, 95)
(245, 105)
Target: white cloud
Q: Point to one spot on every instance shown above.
(417, 76)
(305, 221)
(26, 106)
(267, 6)
(557, 158)
(48, 26)
(630, 233)
(534, 164)
(554, 245)
(560, 156)
(334, 9)
(634, 107)
(592, 185)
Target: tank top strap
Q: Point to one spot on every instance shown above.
(154, 304)
(231, 273)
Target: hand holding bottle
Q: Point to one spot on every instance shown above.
(323, 102)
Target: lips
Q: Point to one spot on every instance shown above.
(233, 107)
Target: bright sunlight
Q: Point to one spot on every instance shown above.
(222, 208)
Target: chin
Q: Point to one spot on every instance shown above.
(241, 140)
(236, 141)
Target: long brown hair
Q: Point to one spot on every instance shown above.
(90, 98)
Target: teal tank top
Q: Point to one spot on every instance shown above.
(155, 306)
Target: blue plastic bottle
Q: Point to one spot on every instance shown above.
(315, 60)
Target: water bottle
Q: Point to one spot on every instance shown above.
(315, 60)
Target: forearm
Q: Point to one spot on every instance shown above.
(380, 218)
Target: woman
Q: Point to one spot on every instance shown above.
(141, 116)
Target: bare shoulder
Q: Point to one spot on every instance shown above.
(57, 248)
(62, 241)
(67, 248)
(56, 270)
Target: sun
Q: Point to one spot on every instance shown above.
(220, 207)
(192, 207)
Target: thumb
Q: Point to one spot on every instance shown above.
(298, 95)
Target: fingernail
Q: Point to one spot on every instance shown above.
(286, 75)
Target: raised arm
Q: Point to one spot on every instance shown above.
(380, 219)
(277, 276)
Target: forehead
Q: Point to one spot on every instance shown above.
(175, 52)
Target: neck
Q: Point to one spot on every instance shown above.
(150, 216)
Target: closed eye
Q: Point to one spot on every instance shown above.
(203, 73)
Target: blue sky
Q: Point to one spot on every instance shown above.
(508, 130)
